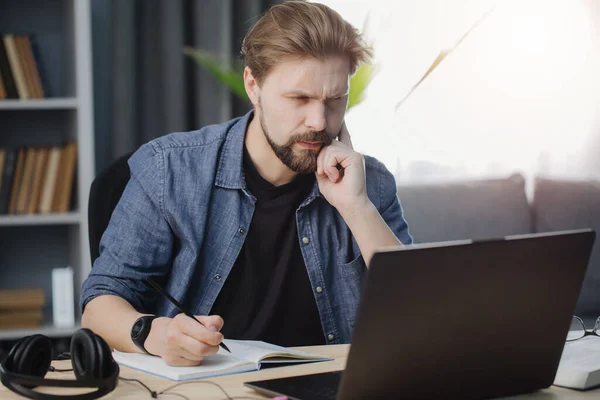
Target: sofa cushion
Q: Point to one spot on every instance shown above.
(481, 209)
(562, 205)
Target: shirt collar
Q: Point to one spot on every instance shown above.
(230, 173)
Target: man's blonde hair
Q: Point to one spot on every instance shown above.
(301, 29)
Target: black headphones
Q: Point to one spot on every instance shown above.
(30, 358)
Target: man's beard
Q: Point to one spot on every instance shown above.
(304, 162)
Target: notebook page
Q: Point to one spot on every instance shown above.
(256, 351)
(215, 365)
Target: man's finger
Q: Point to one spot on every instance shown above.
(331, 167)
(193, 349)
(320, 159)
(178, 361)
(199, 332)
(211, 320)
(344, 136)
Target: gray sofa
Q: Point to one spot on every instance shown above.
(495, 208)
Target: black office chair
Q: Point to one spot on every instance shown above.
(105, 192)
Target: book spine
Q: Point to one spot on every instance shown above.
(15, 66)
(2, 88)
(7, 179)
(7, 76)
(43, 76)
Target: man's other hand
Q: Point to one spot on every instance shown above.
(181, 341)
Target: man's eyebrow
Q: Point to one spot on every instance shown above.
(311, 96)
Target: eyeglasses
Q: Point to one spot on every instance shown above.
(578, 329)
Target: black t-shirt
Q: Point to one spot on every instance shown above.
(267, 295)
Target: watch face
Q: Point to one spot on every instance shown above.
(137, 328)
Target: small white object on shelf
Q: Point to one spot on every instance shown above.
(63, 309)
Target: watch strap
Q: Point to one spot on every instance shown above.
(144, 324)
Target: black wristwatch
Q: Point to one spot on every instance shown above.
(140, 330)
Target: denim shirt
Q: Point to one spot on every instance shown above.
(185, 213)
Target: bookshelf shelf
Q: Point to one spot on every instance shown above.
(40, 124)
(66, 103)
(45, 219)
(48, 330)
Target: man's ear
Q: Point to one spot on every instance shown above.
(251, 85)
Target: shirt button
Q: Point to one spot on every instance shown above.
(217, 277)
(330, 337)
(305, 240)
(241, 231)
(319, 289)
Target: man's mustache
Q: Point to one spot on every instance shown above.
(312, 136)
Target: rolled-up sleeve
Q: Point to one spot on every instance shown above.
(138, 241)
(391, 208)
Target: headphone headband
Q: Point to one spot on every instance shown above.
(23, 384)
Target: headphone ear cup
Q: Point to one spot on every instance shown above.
(31, 356)
(90, 356)
(107, 363)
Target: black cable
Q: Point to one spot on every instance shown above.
(186, 383)
(177, 394)
(152, 392)
(53, 369)
(244, 397)
(228, 397)
(168, 391)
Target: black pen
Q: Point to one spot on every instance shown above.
(158, 289)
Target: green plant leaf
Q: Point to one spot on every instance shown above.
(224, 72)
(358, 84)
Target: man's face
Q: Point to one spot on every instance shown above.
(301, 106)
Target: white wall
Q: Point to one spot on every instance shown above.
(520, 94)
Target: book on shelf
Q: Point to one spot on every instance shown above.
(21, 319)
(2, 89)
(16, 299)
(21, 308)
(21, 75)
(37, 180)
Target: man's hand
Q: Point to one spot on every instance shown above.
(345, 189)
(181, 341)
(341, 174)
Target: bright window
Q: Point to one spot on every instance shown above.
(520, 94)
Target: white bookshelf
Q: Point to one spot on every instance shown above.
(32, 245)
(72, 218)
(44, 104)
(47, 330)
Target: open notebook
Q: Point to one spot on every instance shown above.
(245, 356)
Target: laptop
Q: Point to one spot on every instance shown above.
(463, 319)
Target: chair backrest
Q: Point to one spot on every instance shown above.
(105, 193)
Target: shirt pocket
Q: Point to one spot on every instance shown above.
(353, 270)
(351, 274)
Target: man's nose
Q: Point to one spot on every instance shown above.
(316, 120)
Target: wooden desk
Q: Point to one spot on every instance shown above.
(234, 386)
